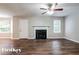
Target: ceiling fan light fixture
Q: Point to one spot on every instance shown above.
(53, 6)
(50, 12)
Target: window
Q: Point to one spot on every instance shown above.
(57, 26)
(4, 25)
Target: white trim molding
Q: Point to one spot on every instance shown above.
(15, 38)
(71, 39)
(55, 37)
(5, 37)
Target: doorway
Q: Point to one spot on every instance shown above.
(23, 27)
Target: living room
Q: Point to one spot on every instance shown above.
(48, 26)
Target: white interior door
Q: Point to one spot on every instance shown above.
(23, 27)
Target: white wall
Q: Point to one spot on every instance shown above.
(35, 21)
(72, 27)
(45, 21)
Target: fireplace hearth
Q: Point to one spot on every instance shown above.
(41, 34)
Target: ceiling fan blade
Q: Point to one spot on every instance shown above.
(43, 8)
(58, 9)
(44, 12)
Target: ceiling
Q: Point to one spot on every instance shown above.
(33, 9)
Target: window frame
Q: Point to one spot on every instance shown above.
(59, 31)
(9, 21)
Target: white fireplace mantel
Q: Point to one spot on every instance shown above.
(39, 28)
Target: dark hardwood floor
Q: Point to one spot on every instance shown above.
(40, 47)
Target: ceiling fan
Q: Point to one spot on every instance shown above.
(51, 7)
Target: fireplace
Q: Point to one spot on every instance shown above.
(41, 34)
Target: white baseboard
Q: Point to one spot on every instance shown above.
(55, 37)
(15, 38)
(8, 38)
(50, 38)
(71, 40)
(5, 37)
